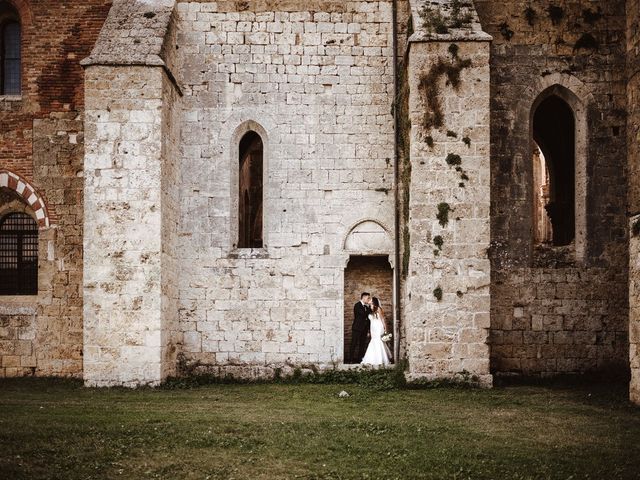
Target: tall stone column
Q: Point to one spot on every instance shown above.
(130, 299)
(447, 238)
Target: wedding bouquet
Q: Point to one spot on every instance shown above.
(386, 337)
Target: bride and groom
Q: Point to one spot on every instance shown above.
(368, 329)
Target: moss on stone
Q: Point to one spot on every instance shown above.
(443, 213)
(530, 14)
(556, 14)
(586, 42)
(506, 31)
(453, 159)
(430, 87)
(437, 292)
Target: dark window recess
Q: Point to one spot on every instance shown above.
(250, 192)
(10, 64)
(18, 255)
(554, 132)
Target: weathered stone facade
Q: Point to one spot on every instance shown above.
(420, 156)
(633, 135)
(558, 309)
(446, 304)
(41, 144)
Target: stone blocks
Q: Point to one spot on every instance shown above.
(447, 287)
(128, 241)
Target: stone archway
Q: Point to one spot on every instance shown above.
(369, 268)
(371, 274)
(28, 193)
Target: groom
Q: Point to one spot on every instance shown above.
(360, 328)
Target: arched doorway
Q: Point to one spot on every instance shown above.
(368, 270)
(371, 274)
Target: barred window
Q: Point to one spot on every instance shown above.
(11, 58)
(18, 255)
(251, 191)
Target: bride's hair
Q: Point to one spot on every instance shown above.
(376, 305)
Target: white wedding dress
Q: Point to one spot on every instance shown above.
(377, 353)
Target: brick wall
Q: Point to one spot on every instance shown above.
(41, 139)
(367, 274)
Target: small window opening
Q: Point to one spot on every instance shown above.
(554, 172)
(10, 51)
(250, 192)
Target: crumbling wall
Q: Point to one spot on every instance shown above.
(633, 137)
(558, 310)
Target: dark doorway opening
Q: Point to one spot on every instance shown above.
(371, 274)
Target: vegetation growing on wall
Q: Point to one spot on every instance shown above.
(587, 42)
(438, 241)
(437, 292)
(590, 16)
(453, 160)
(506, 31)
(443, 214)
(556, 14)
(404, 147)
(435, 21)
(530, 14)
(429, 86)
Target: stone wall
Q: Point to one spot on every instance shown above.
(446, 304)
(633, 135)
(558, 310)
(130, 217)
(41, 140)
(314, 79)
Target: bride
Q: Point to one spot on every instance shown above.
(377, 353)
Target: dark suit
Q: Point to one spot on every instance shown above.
(359, 332)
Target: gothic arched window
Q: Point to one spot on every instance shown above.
(10, 51)
(250, 191)
(18, 255)
(554, 156)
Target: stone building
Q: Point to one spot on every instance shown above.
(250, 166)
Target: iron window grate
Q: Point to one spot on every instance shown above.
(18, 255)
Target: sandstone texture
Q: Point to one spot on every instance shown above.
(413, 180)
(41, 144)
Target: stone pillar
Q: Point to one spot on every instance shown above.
(448, 272)
(125, 244)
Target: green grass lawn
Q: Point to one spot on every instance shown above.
(57, 429)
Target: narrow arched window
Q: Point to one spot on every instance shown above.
(554, 171)
(250, 191)
(18, 255)
(10, 51)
